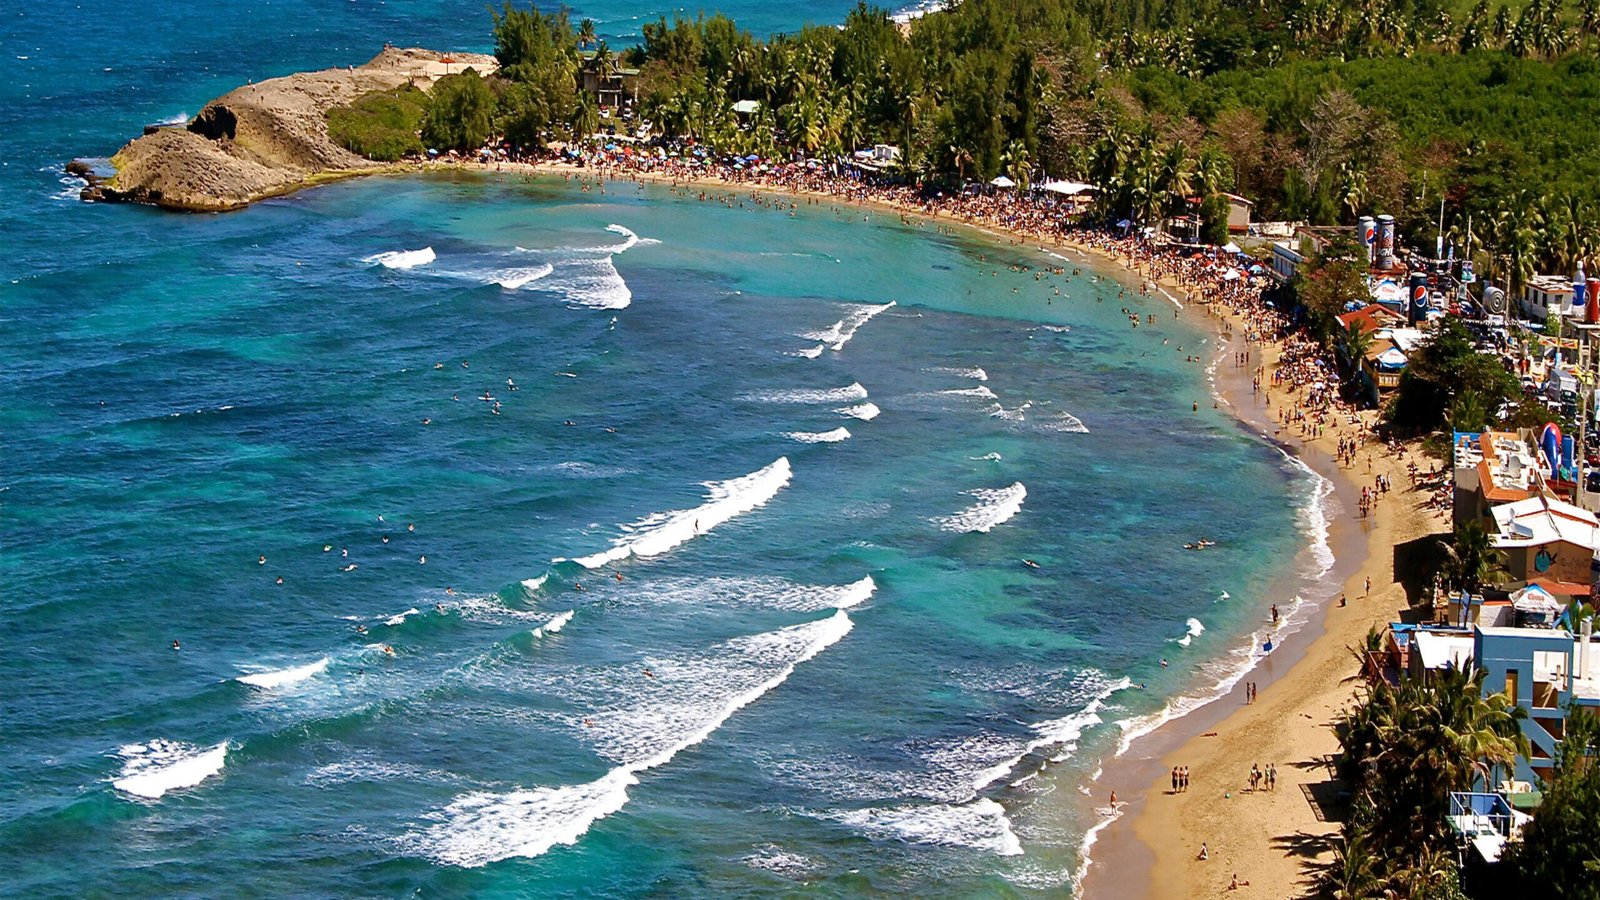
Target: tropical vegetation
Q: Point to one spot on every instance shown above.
(1404, 748)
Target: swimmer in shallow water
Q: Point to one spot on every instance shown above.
(176, 646)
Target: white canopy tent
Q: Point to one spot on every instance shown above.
(1067, 188)
(1000, 181)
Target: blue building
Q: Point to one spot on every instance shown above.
(1544, 671)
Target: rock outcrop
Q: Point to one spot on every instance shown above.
(266, 139)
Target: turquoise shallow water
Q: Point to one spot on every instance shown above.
(815, 668)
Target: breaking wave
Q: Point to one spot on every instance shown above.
(280, 677)
(840, 333)
(402, 259)
(994, 506)
(151, 770)
(866, 412)
(820, 437)
(805, 395)
(981, 824)
(690, 699)
(656, 534)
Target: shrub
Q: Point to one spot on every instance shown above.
(380, 125)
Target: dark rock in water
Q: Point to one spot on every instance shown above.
(96, 172)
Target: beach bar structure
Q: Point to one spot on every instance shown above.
(1491, 468)
(1549, 542)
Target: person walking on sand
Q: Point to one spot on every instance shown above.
(1183, 779)
(1174, 779)
(1204, 855)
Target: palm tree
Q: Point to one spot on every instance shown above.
(1212, 173)
(585, 116)
(1177, 174)
(1357, 343)
(604, 61)
(585, 33)
(1352, 190)
(1353, 875)
(1016, 161)
(1471, 558)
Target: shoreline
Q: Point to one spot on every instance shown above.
(1153, 826)
(1147, 841)
(1300, 690)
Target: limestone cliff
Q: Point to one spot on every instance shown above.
(265, 139)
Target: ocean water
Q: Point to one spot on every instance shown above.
(721, 590)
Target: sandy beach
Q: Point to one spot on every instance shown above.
(1272, 840)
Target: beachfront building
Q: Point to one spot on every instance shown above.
(1545, 671)
(1238, 213)
(1546, 295)
(1491, 468)
(1525, 655)
(1549, 543)
(608, 83)
(1389, 351)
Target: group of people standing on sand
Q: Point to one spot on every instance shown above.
(1180, 779)
(1370, 495)
(1263, 779)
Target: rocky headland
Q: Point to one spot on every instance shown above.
(262, 139)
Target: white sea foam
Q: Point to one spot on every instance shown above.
(556, 623)
(400, 618)
(981, 391)
(688, 701)
(981, 824)
(772, 593)
(826, 395)
(1225, 673)
(772, 858)
(820, 437)
(516, 279)
(1314, 514)
(840, 333)
(533, 584)
(629, 239)
(593, 284)
(151, 770)
(1010, 415)
(1065, 423)
(656, 534)
(974, 373)
(866, 412)
(994, 506)
(919, 9)
(280, 677)
(402, 259)
(1193, 630)
(1089, 838)
(987, 457)
(810, 352)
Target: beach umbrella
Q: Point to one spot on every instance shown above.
(1000, 181)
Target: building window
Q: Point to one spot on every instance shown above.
(1511, 685)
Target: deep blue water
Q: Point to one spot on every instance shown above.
(812, 669)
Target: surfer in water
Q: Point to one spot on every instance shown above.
(1030, 564)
